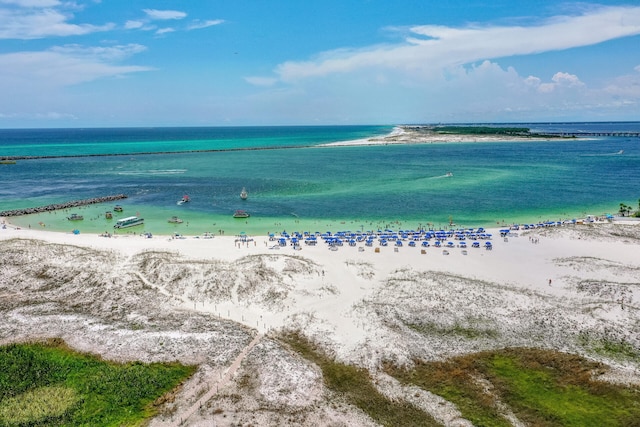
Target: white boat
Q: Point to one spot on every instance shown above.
(175, 220)
(241, 214)
(75, 217)
(185, 199)
(129, 222)
(244, 194)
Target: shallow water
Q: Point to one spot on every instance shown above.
(305, 187)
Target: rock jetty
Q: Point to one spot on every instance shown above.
(71, 204)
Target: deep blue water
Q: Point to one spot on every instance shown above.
(358, 186)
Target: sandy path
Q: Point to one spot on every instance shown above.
(183, 416)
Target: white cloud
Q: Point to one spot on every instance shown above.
(429, 49)
(565, 79)
(108, 53)
(32, 3)
(625, 87)
(261, 81)
(198, 24)
(559, 81)
(64, 66)
(132, 25)
(532, 81)
(165, 30)
(164, 14)
(54, 115)
(43, 23)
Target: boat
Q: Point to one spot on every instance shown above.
(244, 194)
(75, 217)
(7, 162)
(130, 221)
(185, 199)
(175, 220)
(241, 214)
(449, 174)
(117, 208)
(108, 215)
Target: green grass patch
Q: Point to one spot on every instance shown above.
(49, 384)
(355, 386)
(38, 405)
(541, 387)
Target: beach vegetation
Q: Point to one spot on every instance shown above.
(355, 386)
(47, 383)
(538, 387)
(467, 329)
(624, 209)
(482, 130)
(609, 345)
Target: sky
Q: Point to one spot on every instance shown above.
(127, 63)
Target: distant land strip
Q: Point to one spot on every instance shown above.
(143, 153)
(71, 204)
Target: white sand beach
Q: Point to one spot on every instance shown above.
(220, 303)
(418, 135)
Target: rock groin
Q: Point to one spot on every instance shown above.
(71, 204)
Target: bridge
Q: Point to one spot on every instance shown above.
(580, 134)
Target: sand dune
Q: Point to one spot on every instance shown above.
(205, 301)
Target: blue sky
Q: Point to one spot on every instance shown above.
(232, 63)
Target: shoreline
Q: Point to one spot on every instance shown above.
(94, 222)
(270, 239)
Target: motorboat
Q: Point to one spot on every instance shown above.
(244, 194)
(129, 222)
(108, 215)
(241, 214)
(117, 208)
(175, 220)
(185, 199)
(75, 217)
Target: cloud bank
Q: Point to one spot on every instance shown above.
(428, 49)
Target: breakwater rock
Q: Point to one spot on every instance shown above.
(71, 204)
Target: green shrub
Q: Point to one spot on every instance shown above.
(79, 389)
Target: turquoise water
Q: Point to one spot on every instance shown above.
(297, 185)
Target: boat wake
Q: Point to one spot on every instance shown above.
(154, 172)
(446, 175)
(617, 153)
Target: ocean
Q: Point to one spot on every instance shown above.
(295, 184)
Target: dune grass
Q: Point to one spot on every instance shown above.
(540, 387)
(49, 384)
(355, 387)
